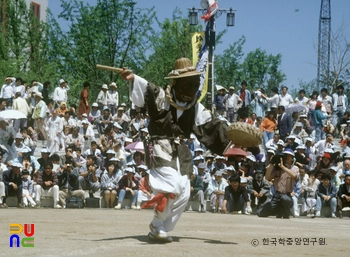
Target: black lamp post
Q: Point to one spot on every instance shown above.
(210, 39)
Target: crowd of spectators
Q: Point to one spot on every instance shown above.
(86, 149)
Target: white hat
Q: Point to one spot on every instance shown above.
(309, 139)
(301, 147)
(105, 108)
(45, 150)
(218, 173)
(16, 164)
(128, 140)
(192, 136)
(19, 135)
(25, 149)
(110, 151)
(197, 158)
(280, 142)
(244, 180)
(113, 159)
(230, 168)
(95, 105)
(303, 115)
(199, 150)
(113, 84)
(218, 88)
(136, 126)
(271, 151)
(120, 109)
(144, 167)
(85, 122)
(104, 86)
(128, 169)
(123, 104)
(84, 115)
(61, 81)
(291, 137)
(218, 157)
(39, 94)
(251, 157)
(328, 150)
(232, 87)
(145, 130)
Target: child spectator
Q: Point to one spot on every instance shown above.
(27, 189)
(145, 191)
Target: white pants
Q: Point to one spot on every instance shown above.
(308, 204)
(52, 192)
(214, 198)
(27, 198)
(2, 191)
(168, 180)
(143, 197)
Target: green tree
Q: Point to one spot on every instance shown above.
(262, 70)
(113, 33)
(228, 68)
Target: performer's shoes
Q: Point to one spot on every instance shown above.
(158, 234)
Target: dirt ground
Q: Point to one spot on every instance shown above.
(107, 232)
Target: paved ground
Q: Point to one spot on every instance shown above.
(104, 232)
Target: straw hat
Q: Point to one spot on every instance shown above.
(183, 68)
(241, 133)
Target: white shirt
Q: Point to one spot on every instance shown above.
(113, 97)
(273, 101)
(21, 105)
(60, 94)
(7, 89)
(285, 100)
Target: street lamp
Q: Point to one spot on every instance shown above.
(210, 41)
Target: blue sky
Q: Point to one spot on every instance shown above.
(288, 27)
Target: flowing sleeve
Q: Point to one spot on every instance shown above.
(138, 90)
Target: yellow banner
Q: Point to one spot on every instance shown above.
(197, 42)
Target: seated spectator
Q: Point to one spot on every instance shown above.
(272, 142)
(291, 142)
(13, 183)
(94, 151)
(69, 184)
(236, 197)
(45, 153)
(109, 185)
(298, 131)
(25, 153)
(47, 185)
(88, 133)
(323, 165)
(79, 160)
(300, 158)
(104, 121)
(128, 187)
(68, 157)
(326, 193)
(344, 196)
(27, 140)
(107, 140)
(27, 189)
(75, 138)
(216, 191)
(197, 190)
(95, 113)
(18, 143)
(7, 134)
(323, 144)
(68, 121)
(3, 167)
(88, 178)
(335, 180)
(119, 153)
(61, 111)
(122, 119)
(295, 196)
(259, 190)
(310, 194)
(202, 172)
(219, 164)
(145, 192)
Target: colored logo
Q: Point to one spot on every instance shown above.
(27, 240)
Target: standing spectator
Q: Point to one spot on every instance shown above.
(218, 104)
(46, 91)
(326, 100)
(113, 100)
(60, 94)
(305, 123)
(7, 90)
(259, 104)
(21, 105)
(301, 98)
(19, 87)
(128, 187)
(216, 191)
(339, 104)
(273, 100)
(236, 197)
(284, 123)
(39, 114)
(285, 98)
(55, 129)
(102, 97)
(326, 193)
(84, 106)
(232, 103)
(13, 182)
(47, 185)
(317, 121)
(312, 106)
(27, 189)
(245, 96)
(268, 127)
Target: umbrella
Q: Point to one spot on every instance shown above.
(295, 108)
(235, 151)
(12, 114)
(136, 146)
